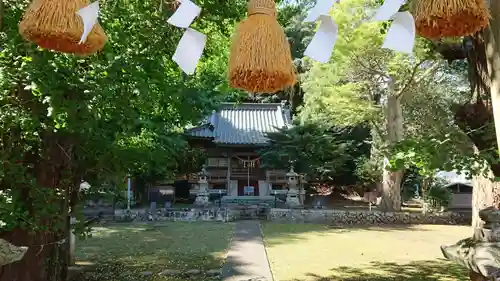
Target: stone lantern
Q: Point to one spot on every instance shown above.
(292, 196)
(479, 253)
(202, 196)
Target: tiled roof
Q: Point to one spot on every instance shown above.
(245, 123)
(453, 177)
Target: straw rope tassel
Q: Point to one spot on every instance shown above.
(260, 59)
(54, 24)
(449, 18)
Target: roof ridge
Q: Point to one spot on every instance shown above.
(243, 123)
(250, 103)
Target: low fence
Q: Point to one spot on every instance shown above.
(342, 217)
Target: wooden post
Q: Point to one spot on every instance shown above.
(72, 247)
(72, 242)
(229, 157)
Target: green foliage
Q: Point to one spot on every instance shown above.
(430, 154)
(354, 86)
(299, 34)
(350, 89)
(100, 117)
(368, 171)
(312, 150)
(437, 194)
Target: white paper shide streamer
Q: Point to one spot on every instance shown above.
(322, 7)
(401, 35)
(89, 16)
(185, 14)
(192, 43)
(321, 46)
(189, 50)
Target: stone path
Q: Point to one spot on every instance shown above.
(247, 257)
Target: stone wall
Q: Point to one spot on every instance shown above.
(198, 214)
(341, 217)
(224, 214)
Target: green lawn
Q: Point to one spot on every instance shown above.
(308, 252)
(131, 252)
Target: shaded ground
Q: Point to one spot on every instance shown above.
(247, 258)
(430, 270)
(140, 252)
(308, 252)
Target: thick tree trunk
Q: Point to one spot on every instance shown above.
(2, 7)
(391, 182)
(44, 260)
(391, 191)
(482, 197)
(492, 35)
(47, 256)
(485, 192)
(487, 82)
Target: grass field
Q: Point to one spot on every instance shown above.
(140, 252)
(307, 252)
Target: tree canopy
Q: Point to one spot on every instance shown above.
(322, 154)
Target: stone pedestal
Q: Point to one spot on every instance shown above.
(479, 254)
(292, 198)
(10, 253)
(202, 199)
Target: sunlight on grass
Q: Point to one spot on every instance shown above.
(124, 252)
(308, 252)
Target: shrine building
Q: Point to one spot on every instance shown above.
(231, 138)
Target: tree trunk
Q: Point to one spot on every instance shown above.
(492, 35)
(482, 197)
(391, 191)
(44, 260)
(391, 182)
(2, 7)
(485, 191)
(47, 256)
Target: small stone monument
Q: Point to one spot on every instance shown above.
(202, 197)
(10, 253)
(480, 254)
(292, 196)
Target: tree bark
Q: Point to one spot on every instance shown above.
(2, 8)
(44, 260)
(492, 35)
(486, 192)
(391, 182)
(482, 197)
(48, 251)
(391, 191)
(487, 82)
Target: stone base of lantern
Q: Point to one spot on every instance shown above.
(201, 199)
(293, 199)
